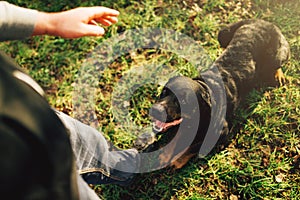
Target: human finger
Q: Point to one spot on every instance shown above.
(106, 21)
(102, 12)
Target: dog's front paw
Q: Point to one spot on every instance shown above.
(144, 141)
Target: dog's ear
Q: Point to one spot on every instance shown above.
(203, 92)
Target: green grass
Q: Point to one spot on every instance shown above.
(259, 163)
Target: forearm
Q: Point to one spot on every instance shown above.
(16, 22)
(19, 23)
(78, 22)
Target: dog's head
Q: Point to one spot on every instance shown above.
(182, 100)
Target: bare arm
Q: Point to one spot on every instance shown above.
(75, 23)
(19, 23)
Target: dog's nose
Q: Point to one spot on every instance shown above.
(158, 112)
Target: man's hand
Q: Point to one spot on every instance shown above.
(75, 23)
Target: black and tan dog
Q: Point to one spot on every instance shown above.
(196, 113)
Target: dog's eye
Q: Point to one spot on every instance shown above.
(163, 93)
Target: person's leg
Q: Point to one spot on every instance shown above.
(85, 192)
(95, 160)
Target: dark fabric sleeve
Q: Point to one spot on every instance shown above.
(16, 22)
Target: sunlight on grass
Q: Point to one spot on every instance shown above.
(260, 162)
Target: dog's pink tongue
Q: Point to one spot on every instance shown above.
(163, 126)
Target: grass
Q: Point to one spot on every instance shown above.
(260, 162)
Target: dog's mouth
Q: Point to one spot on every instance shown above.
(160, 126)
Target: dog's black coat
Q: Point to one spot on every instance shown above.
(255, 51)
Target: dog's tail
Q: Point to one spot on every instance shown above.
(226, 34)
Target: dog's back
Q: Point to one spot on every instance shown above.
(226, 34)
(262, 38)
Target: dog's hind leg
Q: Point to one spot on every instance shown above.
(279, 76)
(276, 54)
(282, 56)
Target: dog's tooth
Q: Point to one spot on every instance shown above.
(157, 129)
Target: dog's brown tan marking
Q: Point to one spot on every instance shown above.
(180, 162)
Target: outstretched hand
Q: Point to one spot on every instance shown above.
(75, 23)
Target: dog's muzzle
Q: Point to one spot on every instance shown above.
(159, 115)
